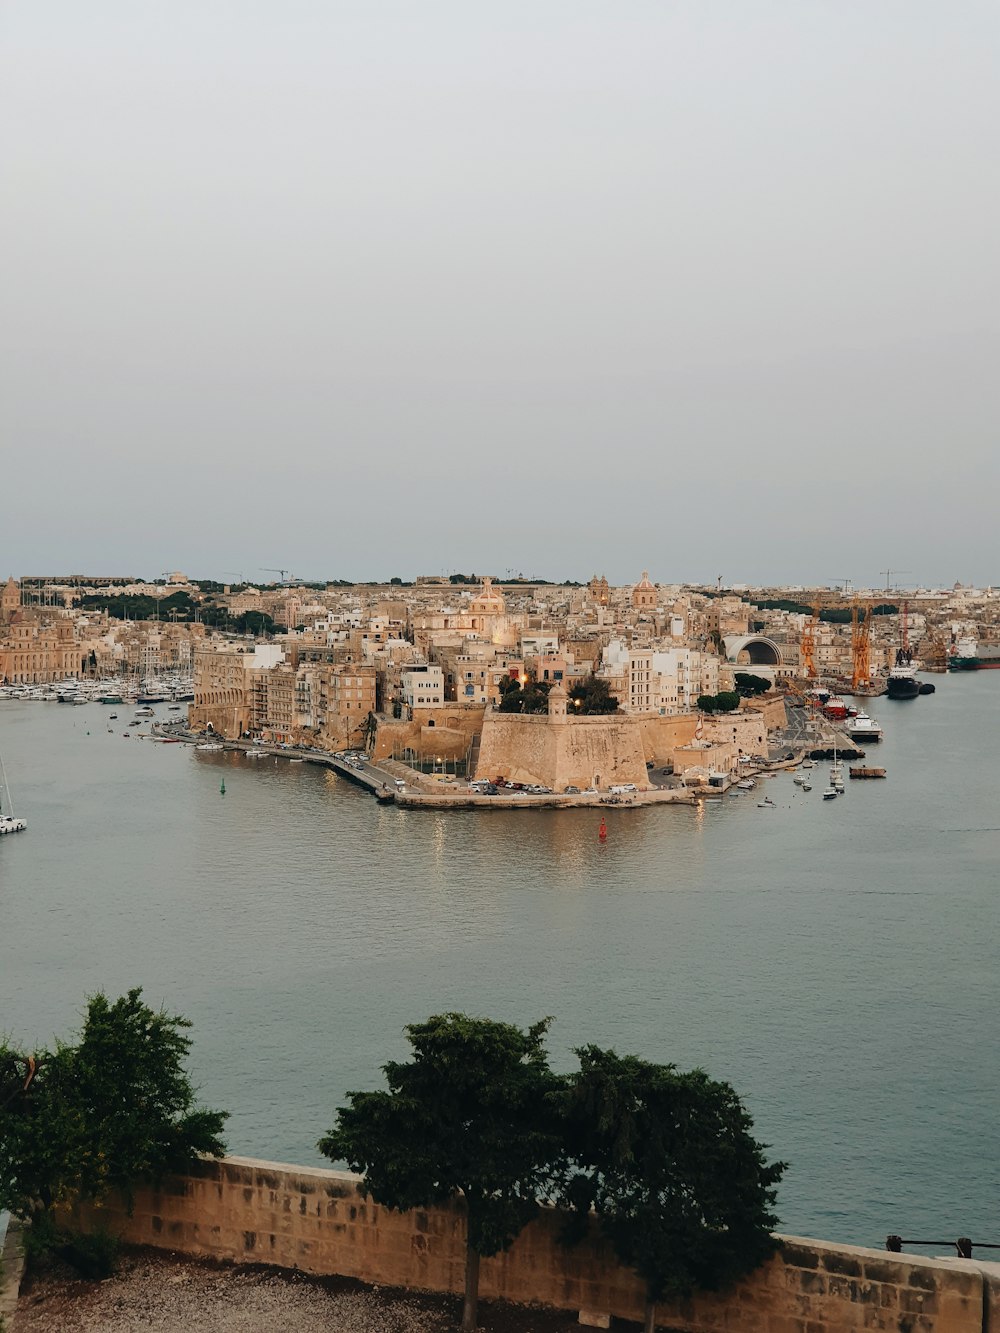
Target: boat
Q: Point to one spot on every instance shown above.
(766, 804)
(867, 772)
(145, 712)
(807, 786)
(255, 754)
(9, 822)
(963, 655)
(110, 699)
(174, 708)
(746, 784)
(903, 683)
(830, 794)
(112, 717)
(808, 763)
(864, 728)
(210, 746)
(799, 780)
(835, 707)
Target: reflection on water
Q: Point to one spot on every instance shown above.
(833, 959)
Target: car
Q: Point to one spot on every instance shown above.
(571, 791)
(491, 790)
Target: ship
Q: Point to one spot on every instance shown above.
(903, 683)
(963, 655)
(864, 728)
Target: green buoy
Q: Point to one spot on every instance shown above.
(222, 789)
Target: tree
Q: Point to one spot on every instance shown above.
(531, 697)
(592, 697)
(724, 702)
(474, 1111)
(667, 1160)
(748, 685)
(85, 1120)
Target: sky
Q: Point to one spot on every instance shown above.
(553, 287)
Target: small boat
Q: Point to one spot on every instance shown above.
(807, 786)
(112, 717)
(830, 794)
(746, 784)
(255, 754)
(9, 823)
(296, 761)
(799, 780)
(808, 763)
(210, 746)
(867, 772)
(174, 708)
(766, 804)
(145, 712)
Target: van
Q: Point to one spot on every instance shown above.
(624, 789)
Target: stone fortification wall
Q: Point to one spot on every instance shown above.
(775, 716)
(557, 753)
(319, 1221)
(747, 731)
(450, 736)
(661, 736)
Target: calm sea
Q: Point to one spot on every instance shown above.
(835, 960)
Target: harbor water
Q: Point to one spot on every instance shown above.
(835, 960)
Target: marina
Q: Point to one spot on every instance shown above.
(807, 953)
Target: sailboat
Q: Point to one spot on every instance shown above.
(837, 770)
(8, 822)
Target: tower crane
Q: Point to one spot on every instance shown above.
(270, 569)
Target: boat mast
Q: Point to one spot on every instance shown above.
(5, 791)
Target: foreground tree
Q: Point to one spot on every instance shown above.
(96, 1117)
(474, 1111)
(680, 1187)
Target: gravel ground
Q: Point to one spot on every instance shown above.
(156, 1293)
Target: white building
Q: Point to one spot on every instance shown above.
(423, 687)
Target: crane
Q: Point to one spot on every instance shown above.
(807, 648)
(270, 569)
(861, 629)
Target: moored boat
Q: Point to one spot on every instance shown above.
(864, 728)
(903, 683)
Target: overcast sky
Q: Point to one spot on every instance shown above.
(376, 288)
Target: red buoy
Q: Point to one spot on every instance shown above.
(602, 832)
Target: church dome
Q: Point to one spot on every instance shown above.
(488, 600)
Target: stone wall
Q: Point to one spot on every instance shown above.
(319, 1221)
(557, 753)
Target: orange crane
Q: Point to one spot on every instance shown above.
(861, 634)
(807, 646)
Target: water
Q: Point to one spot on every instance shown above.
(834, 960)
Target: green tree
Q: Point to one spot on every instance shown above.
(88, 1119)
(723, 702)
(749, 685)
(473, 1111)
(531, 697)
(592, 697)
(668, 1162)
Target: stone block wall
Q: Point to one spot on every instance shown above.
(319, 1221)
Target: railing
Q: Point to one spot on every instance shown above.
(963, 1245)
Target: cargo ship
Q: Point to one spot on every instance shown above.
(963, 655)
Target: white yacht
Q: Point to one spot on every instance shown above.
(864, 728)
